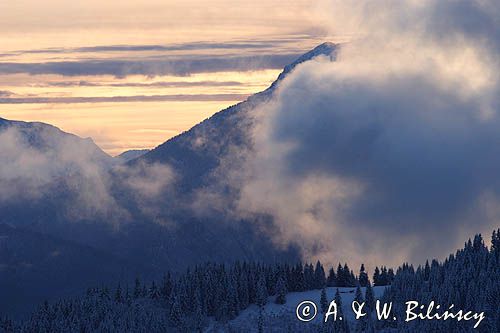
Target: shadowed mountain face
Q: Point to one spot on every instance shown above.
(64, 196)
(131, 154)
(33, 264)
(198, 151)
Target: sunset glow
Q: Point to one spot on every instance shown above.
(131, 75)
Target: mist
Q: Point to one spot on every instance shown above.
(42, 164)
(390, 153)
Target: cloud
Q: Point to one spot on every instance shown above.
(118, 99)
(38, 159)
(390, 153)
(159, 84)
(148, 184)
(193, 46)
(43, 165)
(151, 66)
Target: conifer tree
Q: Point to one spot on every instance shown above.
(390, 276)
(495, 245)
(309, 277)
(427, 271)
(260, 321)
(361, 323)
(281, 291)
(232, 296)
(166, 286)
(340, 325)
(261, 291)
(243, 290)
(340, 276)
(176, 313)
(331, 281)
(369, 297)
(137, 289)
(319, 276)
(363, 277)
(323, 301)
(376, 277)
(298, 278)
(118, 294)
(153, 291)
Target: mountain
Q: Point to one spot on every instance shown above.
(196, 153)
(131, 154)
(50, 140)
(57, 187)
(32, 263)
(326, 49)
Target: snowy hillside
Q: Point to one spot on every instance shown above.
(248, 318)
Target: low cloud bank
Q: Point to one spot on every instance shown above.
(40, 163)
(393, 150)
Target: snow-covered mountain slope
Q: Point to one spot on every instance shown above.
(325, 49)
(247, 320)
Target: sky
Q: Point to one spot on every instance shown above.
(131, 74)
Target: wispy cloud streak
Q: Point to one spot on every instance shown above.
(151, 67)
(194, 46)
(115, 99)
(159, 84)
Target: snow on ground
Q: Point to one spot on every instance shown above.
(293, 299)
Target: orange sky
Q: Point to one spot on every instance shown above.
(77, 64)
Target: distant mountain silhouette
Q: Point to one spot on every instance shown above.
(131, 154)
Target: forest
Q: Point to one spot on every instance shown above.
(211, 296)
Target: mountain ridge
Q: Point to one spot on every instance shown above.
(43, 136)
(326, 48)
(128, 216)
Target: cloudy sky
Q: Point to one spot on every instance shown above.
(133, 73)
(391, 151)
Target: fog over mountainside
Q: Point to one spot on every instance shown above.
(391, 151)
(65, 194)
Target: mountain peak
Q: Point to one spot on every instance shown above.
(178, 150)
(326, 48)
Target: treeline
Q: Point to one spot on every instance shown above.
(211, 294)
(468, 279)
(187, 302)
